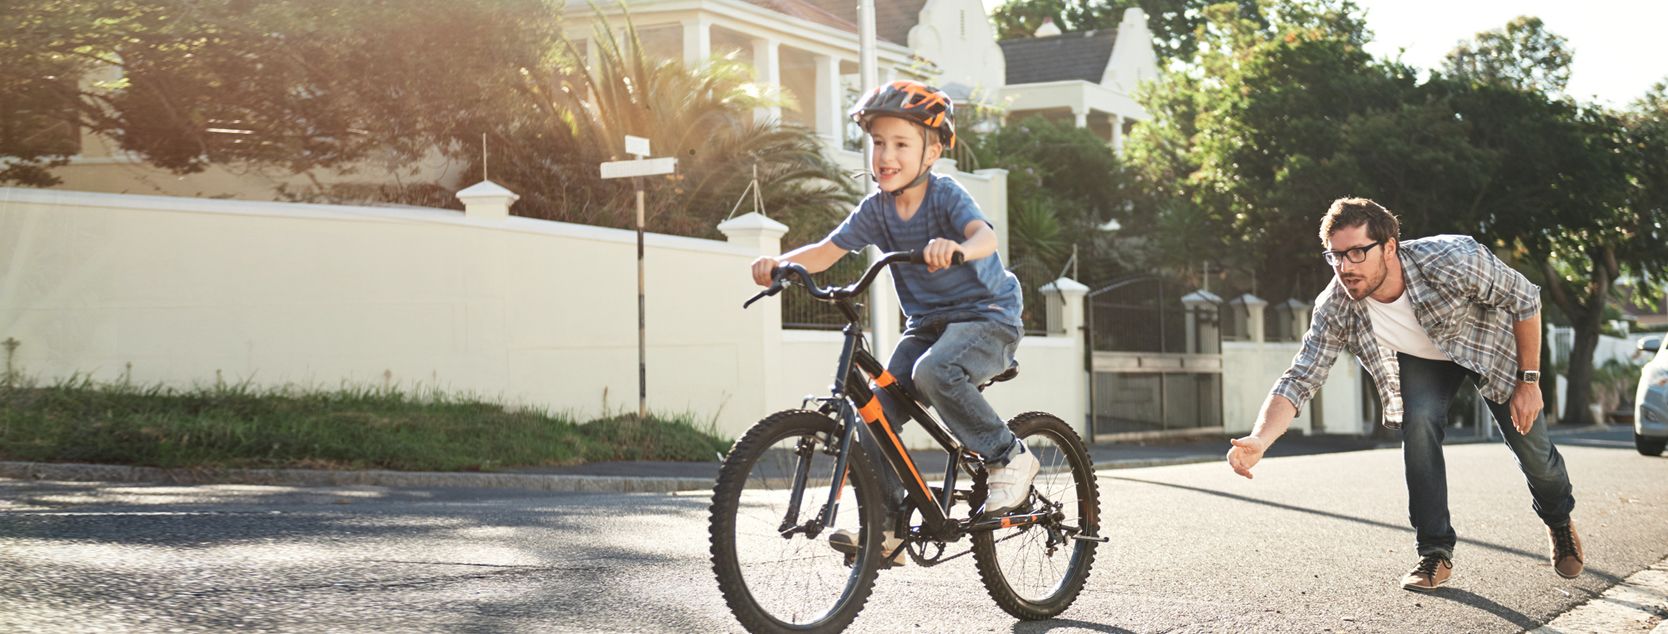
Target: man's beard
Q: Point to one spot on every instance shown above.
(1365, 290)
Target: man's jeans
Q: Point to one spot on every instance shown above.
(943, 363)
(1428, 388)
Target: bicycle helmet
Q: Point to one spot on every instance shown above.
(913, 101)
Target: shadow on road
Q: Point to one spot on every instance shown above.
(1519, 619)
(1536, 556)
(1373, 523)
(1033, 627)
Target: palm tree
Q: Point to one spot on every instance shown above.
(704, 116)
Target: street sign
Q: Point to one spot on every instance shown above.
(643, 167)
(639, 147)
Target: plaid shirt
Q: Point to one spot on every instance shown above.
(1466, 299)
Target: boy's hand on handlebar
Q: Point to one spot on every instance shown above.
(939, 252)
(762, 269)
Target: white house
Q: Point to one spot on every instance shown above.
(810, 49)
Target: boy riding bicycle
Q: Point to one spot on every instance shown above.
(963, 322)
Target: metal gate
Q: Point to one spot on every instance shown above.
(1155, 352)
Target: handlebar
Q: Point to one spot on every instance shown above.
(783, 276)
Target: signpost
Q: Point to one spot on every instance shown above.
(636, 170)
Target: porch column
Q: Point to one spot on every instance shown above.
(831, 114)
(697, 42)
(767, 69)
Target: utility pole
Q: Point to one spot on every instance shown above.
(882, 309)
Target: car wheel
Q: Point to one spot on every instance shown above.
(1649, 446)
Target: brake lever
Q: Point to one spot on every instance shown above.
(774, 289)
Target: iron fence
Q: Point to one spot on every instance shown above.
(802, 312)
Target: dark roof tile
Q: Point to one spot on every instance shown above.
(1077, 55)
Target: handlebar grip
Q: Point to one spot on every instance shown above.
(920, 257)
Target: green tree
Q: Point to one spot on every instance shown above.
(1174, 23)
(305, 85)
(1064, 183)
(1572, 190)
(1524, 55)
(299, 84)
(1280, 113)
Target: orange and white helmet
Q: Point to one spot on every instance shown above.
(912, 101)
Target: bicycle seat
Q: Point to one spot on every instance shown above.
(1006, 375)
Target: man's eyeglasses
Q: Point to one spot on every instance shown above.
(1356, 255)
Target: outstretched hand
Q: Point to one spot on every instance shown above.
(1245, 453)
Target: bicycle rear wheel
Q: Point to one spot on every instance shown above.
(1036, 571)
(775, 575)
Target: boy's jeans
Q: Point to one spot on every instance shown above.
(944, 362)
(1428, 388)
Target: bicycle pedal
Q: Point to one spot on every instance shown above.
(960, 493)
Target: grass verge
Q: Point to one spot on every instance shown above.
(243, 427)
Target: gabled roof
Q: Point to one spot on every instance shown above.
(1077, 55)
(893, 18)
(810, 11)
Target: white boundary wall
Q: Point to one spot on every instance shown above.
(526, 311)
(1250, 369)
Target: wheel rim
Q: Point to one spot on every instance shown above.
(798, 580)
(1031, 571)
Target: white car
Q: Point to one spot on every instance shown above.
(1650, 403)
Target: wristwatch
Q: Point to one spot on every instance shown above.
(1528, 376)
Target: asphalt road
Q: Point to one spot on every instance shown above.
(1314, 543)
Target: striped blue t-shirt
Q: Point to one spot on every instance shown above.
(979, 289)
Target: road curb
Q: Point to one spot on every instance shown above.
(554, 483)
(413, 479)
(312, 477)
(1638, 603)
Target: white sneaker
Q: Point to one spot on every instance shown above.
(846, 542)
(1010, 485)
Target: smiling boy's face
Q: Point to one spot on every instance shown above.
(901, 151)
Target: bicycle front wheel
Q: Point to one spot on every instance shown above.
(1036, 571)
(776, 575)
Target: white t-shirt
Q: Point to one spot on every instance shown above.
(1395, 326)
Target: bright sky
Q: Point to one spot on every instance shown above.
(1620, 50)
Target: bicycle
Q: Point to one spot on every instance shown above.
(782, 486)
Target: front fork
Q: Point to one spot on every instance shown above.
(806, 451)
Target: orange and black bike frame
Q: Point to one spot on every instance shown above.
(860, 414)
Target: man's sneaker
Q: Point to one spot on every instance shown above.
(1010, 485)
(846, 542)
(1567, 556)
(1430, 574)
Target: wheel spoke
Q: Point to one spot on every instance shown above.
(1041, 578)
(795, 580)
